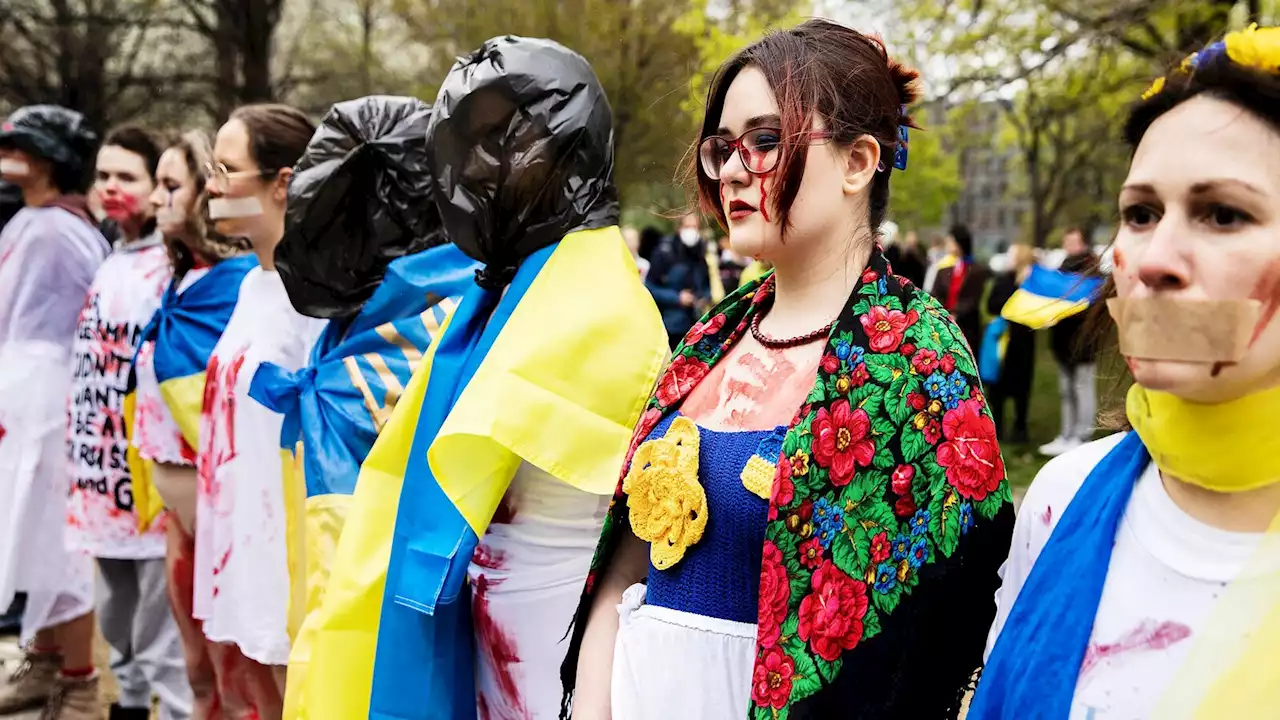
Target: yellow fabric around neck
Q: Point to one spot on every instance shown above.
(1227, 447)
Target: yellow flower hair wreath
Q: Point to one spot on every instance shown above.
(1252, 47)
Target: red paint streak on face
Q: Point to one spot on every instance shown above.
(1217, 369)
(764, 196)
(1148, 636)
(496, 647)
(1267, 291)
(120, 206)
(1119, 259)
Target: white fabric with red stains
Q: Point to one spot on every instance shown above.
(241, 570)
(155, 433)
(526, 580)
(1167, 571)
(47, 261)
(124, 296)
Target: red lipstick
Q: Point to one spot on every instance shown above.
(739, 209)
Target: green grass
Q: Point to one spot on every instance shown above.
(1023, 461)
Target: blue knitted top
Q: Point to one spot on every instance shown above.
(719, 575)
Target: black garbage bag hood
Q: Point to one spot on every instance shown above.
(358, 200)
(520, 150)
(54, 133)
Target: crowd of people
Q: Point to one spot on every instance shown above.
(388, 417)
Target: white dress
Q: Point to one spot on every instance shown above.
(241, 570)
(122, 300)
(526, 580)
(47, 261)
(1167, 571)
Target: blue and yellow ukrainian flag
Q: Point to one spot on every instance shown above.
(554, 371)
(334, 409)
(1049, 296)
(185, 329)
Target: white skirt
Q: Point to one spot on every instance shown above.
(673, 664)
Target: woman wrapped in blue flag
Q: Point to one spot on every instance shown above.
(475, 514)
(363, 247)
(167, 391)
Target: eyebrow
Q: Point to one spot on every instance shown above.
(1200, 188)
(770, 120)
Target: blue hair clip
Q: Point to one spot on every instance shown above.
(900, 152)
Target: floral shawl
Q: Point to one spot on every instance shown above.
(889, 519)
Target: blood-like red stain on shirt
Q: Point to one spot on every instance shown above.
(505, 514)
(1047, 516)
(497, 649)
(1147, 636)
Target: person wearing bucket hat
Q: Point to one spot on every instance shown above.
(49, 253)
(500, 455)
(362, 245)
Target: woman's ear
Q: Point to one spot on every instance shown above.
(280, 192)
(862, 161)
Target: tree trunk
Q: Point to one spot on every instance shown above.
(255, 58)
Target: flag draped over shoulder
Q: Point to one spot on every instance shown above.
(334, 409)
(555, 372)
(185, 329)
(1049, 296)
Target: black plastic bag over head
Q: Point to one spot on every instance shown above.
(358, 200)
(521, 152)
(54, 133)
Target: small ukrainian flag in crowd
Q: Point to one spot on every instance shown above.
(1047, 297)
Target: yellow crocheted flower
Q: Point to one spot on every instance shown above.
(1255, 48)
(667, 504)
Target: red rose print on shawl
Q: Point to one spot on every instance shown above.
(841, 441)
(702, 330)
(682, 375)
(775, 593)
(970, 453)
(885, 327)
(831, 615)
(771, 681)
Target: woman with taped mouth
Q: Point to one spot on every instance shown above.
(168, 392)
(812, 520)
(241, 587)
(1144, 575)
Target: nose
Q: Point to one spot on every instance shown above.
(158, 197)
(734, 171)
(1165, 263)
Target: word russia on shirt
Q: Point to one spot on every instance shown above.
(124, 295)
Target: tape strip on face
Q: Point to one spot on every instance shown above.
(9, 166)
(1199, 331)
(225, 208)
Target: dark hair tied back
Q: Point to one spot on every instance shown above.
(819, 70)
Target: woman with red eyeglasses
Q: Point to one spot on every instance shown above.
(815, 509)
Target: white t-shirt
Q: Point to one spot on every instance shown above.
(122, 299)
(155, 432)
(526, 580)
(241, 569)
(1167, 571)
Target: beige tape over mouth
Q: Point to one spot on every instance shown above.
(1200, 331)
